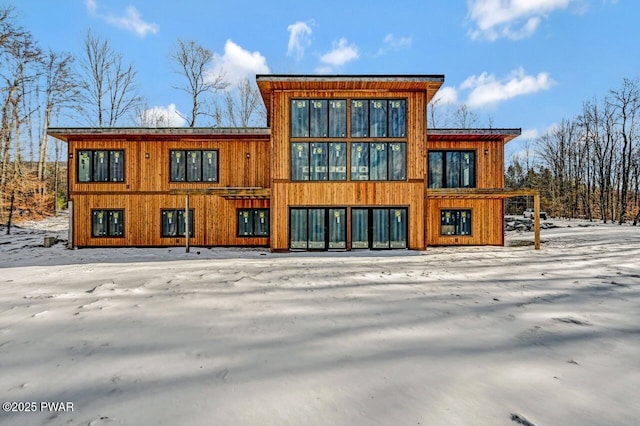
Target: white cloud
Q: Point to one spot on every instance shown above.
(486, 89)
(513, 19)
(161, 117)
(445, 96)
(237, 64)
(298, 39)
(341, 53)
(530, 134)
(131, 20)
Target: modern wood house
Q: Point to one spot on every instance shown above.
(346, 163)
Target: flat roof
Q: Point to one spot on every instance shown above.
(481, 134)
(268, 83)
(63, 133)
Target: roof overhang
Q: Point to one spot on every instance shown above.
(158, 133)
(460, 135)
(268, 83)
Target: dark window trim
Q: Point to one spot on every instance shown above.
(109, 235)
(466, 210)
(328, 136)
(369, 210)
(251, 211)
(93, 151)
(444, 166)
(328, 161)
(191, 228)
(202, 150)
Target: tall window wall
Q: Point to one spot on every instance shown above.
(365, 137)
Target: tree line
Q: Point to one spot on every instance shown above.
(99, 87)
(588, 166)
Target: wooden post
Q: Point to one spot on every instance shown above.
(536, 220)
(186, 224)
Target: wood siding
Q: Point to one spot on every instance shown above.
(409, 193)
(242, 162)
(487, 221)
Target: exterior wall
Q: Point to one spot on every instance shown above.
(489, 166)
(145, 191)
(487, 221)
(409, 193)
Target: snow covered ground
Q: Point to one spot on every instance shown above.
(450, 336)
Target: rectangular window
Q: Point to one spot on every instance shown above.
(380, 228)
(174, 224)
(359, 161)
(318, 162)
(300, 161)
(451, 169)
(337, 161)
(298, 229)
(360, 228)
(100, 166)
(455, 222)
(253, 223)
(317, 229)
(398, 228)
(337, 228)
(193, 166)
(107, 223)
(359, 119)
(319, 123)
(378, 118)
(299, 118)
(338, 118)
(397, 118)
(378, 161)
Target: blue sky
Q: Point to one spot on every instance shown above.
(516, 63)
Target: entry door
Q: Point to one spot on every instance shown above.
(379, 228)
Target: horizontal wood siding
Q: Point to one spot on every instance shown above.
(215, 219)
(489, 166)
(486, 222)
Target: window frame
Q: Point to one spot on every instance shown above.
(201, 170)
(252, 214)
(178, 212)
(110, 231)
(110, 153)
(457, 228)
(444, 168)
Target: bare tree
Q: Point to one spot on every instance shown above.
(464, 117)
(244, 105)
(192, 61)
(626, 103)
(60, 90)
(108, 85)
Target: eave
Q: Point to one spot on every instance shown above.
(466, 135)
(158, 133)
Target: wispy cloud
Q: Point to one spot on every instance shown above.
(487, 90)
(341, 53)
(512, 19)
(236, 64)
(299, 38)
(131, 20)
(392, 43)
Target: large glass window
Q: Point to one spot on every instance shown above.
(451, 169)
(194, 166)
(318, 161)
(100, 166)
(360, 228)
(378, 118)
(359, 118)
(253, 222)
(337, 118)
(378, 161)
(318, 228)
(455, 222)
(174, 224)
(318, 118)
(107, 223)
(397, 118)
